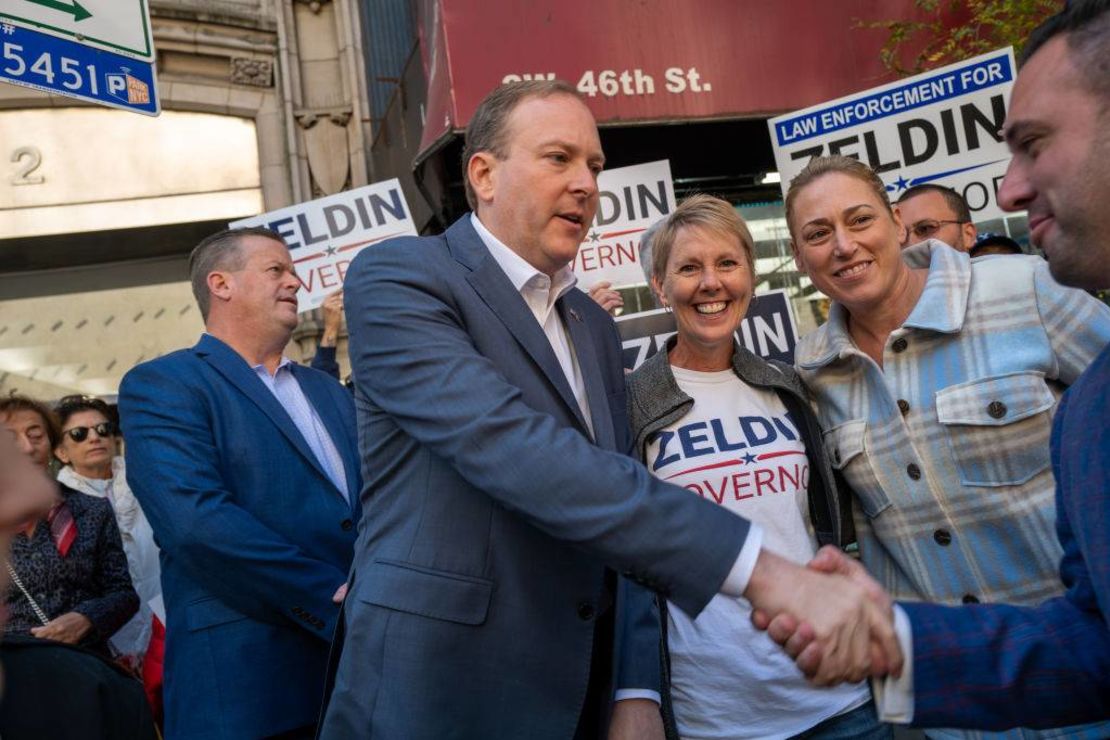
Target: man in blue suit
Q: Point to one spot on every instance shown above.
(993, 666)
(246, 465)
(493, 429)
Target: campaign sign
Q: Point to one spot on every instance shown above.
(940, 127)
(631, 199)
(63, 67)
(768, 330)
(324, 235)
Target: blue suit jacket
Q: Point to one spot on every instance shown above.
(255, 537)
(992, 666)
(490, 516)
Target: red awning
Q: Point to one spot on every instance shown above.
(640, 61)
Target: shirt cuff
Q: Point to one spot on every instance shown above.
(894, 696)
(737, 580)
(623, 694)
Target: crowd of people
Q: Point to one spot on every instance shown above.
(498, 533)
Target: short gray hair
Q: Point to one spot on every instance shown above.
(701, 211)
(220, 251)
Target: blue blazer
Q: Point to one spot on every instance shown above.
(254, 537)
(991, 666)
(490, 514)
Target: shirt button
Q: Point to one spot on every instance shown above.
(903, 406)
(970, 599)
(899, 344)
(836, 456)
(942, 537)
(913, 471)
(585, 611)
(996, 409)
(346, 525)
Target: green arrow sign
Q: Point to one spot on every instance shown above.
(117, 26)
(76, 10)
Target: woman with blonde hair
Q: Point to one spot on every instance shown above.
(737, 430)
(936, 379)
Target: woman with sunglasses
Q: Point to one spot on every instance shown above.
(68, 573)
(88, 452)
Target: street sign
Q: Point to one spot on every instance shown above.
(118, 26)
(56, 65)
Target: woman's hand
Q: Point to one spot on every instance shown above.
(69, 628)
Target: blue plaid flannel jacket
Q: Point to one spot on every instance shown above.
(947, 445)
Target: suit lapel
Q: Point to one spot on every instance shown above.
(494, 287)
(234, 368)
(321, 400)
(581, 339)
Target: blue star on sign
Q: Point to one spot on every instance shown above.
(901, 183)
(330, 251)
(748, 458)
(594, 236)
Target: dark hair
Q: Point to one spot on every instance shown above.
(993, 244)
(955, 201)
(486, 131)
(70, 405)
(1086, 27)
(818, 167)
(17, 402)
(220, 251)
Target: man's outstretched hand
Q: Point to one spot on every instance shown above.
(831, 617)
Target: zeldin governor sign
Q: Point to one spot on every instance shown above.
(100, 51)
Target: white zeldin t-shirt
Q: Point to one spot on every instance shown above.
(739, 448)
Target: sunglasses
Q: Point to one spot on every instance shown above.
(103, 429)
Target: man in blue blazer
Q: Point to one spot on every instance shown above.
(493, 429)
(993, 666)
(246, 465)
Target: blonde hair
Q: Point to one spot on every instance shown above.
(703, 211)
(818, 167)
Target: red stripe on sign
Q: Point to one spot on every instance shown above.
(611, 234)
(724, 464)
(370, 241)
(769, 455)
(318, 255)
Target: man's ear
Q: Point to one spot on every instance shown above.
(481, 170)
(970, 234)
(61, 454)
(220, 284)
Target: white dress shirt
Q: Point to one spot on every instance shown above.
(541, 292)
(289, 394)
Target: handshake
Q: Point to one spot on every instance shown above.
(831, 616)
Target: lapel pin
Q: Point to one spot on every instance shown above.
(574, 315)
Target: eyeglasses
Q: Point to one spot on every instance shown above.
(80, 434)
(927, 227)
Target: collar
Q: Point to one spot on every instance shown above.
(519, 271)
(209, 344)
(661, 394)
(941, 307)
(260, 368)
